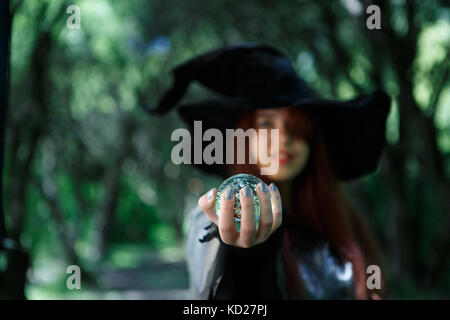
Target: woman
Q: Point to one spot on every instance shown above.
(310, 243)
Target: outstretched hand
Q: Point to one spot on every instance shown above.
(249, 235)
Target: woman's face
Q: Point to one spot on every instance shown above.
(293, 149)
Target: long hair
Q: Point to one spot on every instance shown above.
(318, 205)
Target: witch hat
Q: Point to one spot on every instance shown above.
(249, 76)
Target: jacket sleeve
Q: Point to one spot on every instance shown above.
(250, 273)
(200, 255)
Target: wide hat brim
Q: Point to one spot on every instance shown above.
(353, 131)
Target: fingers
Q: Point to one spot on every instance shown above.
(265, 217)
(277, 209)
(270, 214)
(227, 229)
(248, 220)
(206, 203)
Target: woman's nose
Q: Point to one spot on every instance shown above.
(285, 134)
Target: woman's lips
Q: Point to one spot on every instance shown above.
(284, 157)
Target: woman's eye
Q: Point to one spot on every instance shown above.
(263, 124)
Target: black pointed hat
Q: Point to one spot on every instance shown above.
(251, 76)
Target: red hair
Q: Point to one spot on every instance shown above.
(319, 204)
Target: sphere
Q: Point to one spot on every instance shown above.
(236, 183)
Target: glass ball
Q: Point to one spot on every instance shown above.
(236, 183)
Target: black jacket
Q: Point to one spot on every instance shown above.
(250, 273)
(220, 271)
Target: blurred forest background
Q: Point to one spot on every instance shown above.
(87, 173)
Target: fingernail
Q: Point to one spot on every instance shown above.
(210, 194)
(247, 191)
(263, 187)
(228, 194)
(273, 187)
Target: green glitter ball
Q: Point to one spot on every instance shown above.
(236, 183)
